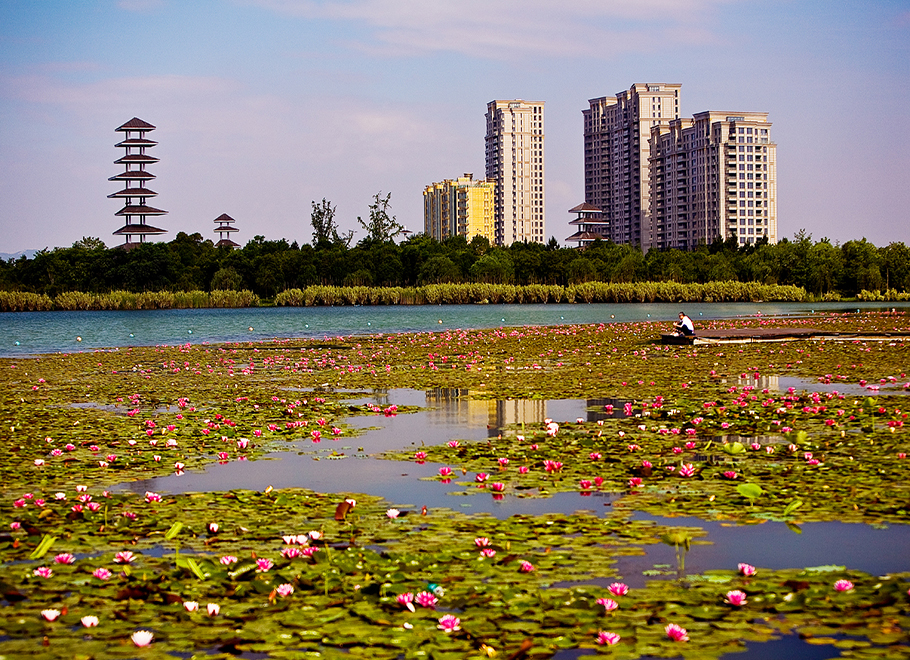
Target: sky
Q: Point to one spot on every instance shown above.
(264, 106)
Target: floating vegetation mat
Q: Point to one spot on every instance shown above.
(286, 573)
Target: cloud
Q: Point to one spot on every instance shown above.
(504, 29)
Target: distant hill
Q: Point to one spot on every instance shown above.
(6, 256)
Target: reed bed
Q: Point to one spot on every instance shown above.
(431, 294)
(891, 295)
(18, 301)
(588, 292)
(23, 301)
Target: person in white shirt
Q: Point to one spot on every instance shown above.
(684, 325)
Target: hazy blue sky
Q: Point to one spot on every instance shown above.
(264, 105)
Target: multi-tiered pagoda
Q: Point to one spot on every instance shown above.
(224, 229)
(135, 177)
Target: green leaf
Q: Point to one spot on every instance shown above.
(190, 564)
(750, 491)
(793, 506)
(173, 531)
(43, 547)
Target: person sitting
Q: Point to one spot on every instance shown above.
(684, 326)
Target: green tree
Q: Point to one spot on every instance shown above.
(381, 227)
(896, 266)
(825, 266)
(439, 269)
(90, 243)
(227, 279)
(325, 229)
(861, 267)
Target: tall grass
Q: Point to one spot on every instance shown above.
(22, 301)
(588, 292)
(891, 295)
(431, 294)
(17, 301)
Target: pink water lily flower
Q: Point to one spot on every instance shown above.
(290, 552)
(284, 590)
(488, 552)
(676, 633)
(746, 569)
(445, 471)
(50, 615)
(227, 560)
(843, 585)
(426, 599)
(263, 565)
(213, 609)
(406, 599)
(608, 603)
(526, 567)
(102, 574)
(618, 589)
(124, 557)
(142, 638)
(65, 558)
(190, 606)
(89, 621)
(735, 597)
(608, 638)
(481, 541)
(44, 572)
(449, 623)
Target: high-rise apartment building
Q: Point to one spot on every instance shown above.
(459, 207)
(711, 176)
(515, 161)
(665, 182)
(617, 151)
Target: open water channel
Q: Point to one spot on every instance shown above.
(356, 464)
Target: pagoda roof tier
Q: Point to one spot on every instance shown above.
(140, 210)
(134, 192)
(224, 217)
(131, 175)
(583, 207)
(226, 242)
(138, 229)
(585, 236)
(589, 221)
(136, 142)
(135, 124)
(135, 158)
(224, 229)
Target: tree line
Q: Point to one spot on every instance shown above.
(268, 267)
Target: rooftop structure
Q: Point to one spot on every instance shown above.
(224, 229)
(134, 178)
(590, 223)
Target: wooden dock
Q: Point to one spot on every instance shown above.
(754, 335)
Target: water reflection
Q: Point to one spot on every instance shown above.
(355, 465)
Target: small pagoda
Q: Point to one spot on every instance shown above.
(135, 177)
(590, 223)
(224, 229)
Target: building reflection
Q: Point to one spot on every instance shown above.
(496, 414)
